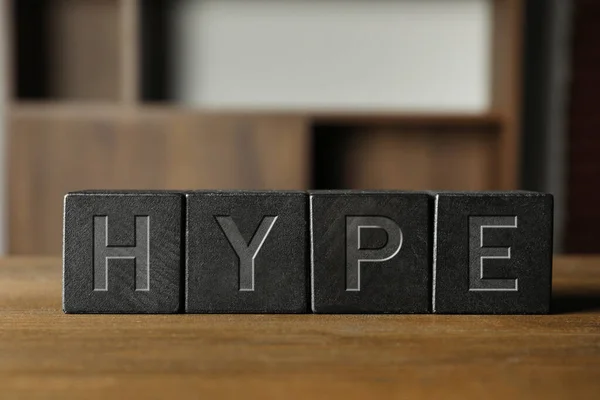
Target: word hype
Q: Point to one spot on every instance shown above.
(300, 252)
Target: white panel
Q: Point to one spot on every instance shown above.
(410, 55)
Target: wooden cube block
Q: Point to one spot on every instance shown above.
(246, 252)
(371, 252)
(492, 252)
(122, 252)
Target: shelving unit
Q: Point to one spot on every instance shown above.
(83, 113)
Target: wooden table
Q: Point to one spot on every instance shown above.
(45, 353)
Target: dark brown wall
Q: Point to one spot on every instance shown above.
(583, 217)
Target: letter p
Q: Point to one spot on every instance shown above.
(355, 253)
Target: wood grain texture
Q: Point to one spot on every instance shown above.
(129, 45)
(420, 159)
(7, 38)
(51, 355)
(56, 153)
(84, 58)
(507, 42)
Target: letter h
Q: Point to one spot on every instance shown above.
(140, 253)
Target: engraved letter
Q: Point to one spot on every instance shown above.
(478, 253)
(246, 253)
(355, 254)
(140, 253)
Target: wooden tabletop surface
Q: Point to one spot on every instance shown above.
(44, 353)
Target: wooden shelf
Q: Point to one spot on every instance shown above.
(404, 119)
(95, 113)
(316, 117)
(66, 108)
(66, 49)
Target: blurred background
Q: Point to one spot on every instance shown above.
(297, 94)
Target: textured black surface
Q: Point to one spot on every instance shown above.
(401, 283)
(218, 281)
(458, 287)
(131, 285)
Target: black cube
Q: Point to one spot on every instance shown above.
(246, 252)
(371, 251)
(492, 253)
(122, 252)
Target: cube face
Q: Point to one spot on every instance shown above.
(246, 252)
(371, 252)
(122, 252)
(492, 253)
